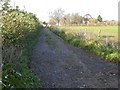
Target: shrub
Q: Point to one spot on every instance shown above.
(113, 57)
(19, 33)
(69, 37)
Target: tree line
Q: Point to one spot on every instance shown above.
(59, 18)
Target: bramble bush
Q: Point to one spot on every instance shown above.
(20, 31)
(17, 25)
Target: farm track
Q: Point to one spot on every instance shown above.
(60, 65)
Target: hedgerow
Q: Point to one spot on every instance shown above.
(20, 32)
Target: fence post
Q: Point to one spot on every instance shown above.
(85, 33)
(99, 33)
(107, 39)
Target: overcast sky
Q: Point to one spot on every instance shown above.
(108, 9)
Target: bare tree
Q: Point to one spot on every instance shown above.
(76, 19)
(71, 19)
(66, 20)
(57, 15)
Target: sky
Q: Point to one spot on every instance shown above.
(108, 9)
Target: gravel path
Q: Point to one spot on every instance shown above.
(60, 65)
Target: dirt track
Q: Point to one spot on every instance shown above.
(60, 65)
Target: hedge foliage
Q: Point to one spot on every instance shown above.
(20, 32)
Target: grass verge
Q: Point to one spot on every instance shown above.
(19, 75)
(93, 46)
(50, 41)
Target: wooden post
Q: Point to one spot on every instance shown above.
(85, 33)
(99, 33)
(107, 40)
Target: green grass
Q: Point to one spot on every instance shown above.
(21, 75)
(105, 30)
(50, 41)
(93, 46)
(30, 80)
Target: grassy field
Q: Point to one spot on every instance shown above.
(111, 31)
(99, 45)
